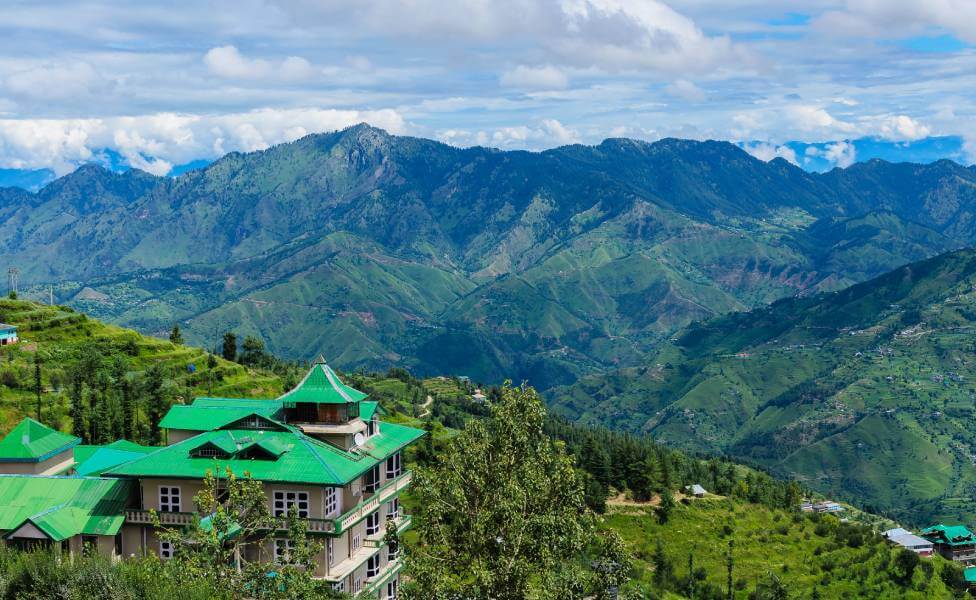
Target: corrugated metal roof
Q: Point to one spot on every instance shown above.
(206, 418)
(33, 442)
(952, 535)
(368, 408)
(63, 507)
(296, 464)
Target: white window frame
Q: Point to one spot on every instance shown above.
(339, 586)
(392, 551)
(283, 500)
(373, 566)
(393, 509)
(394, 466)
(368, 486)
(357, 584)
(373, 523)
(357, 542)
(165, 550)
(393, 588)
(375, 422)
(170, 498)
(331, 501)
(330, 551)
(283, 547)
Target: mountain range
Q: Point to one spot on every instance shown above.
(550, 266)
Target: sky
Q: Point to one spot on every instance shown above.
(818, 82)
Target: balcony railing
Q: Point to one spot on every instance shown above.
(387, 573)
(377, 541)
(381, 495)
(337, 525)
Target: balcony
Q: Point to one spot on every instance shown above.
(376, 541)
(386, 573)
(385, 493)
(142, 517)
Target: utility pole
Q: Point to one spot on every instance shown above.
(12, 274)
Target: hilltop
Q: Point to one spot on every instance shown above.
(382, 250)
(868, 393)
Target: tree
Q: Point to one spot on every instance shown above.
(229, 349)
(76, 393)
(730, 567)
(612, 568)
(37, 383)
(663, 510)
(501, 512)
(771, 588)
(663, 567)
(238, 525)
(120, 378)
(155, 400)
(175, 336)
(904, 567)
(252, 351)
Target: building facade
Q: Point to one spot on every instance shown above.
(953, 542)
(320, 450)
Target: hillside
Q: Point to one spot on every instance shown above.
(868, 393)
(381, 250)
(71, 346)
(802, 553)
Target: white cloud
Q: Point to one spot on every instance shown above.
(229, 63)
(814, 118)
(841, 154)
(548, 133)
(899, 18)
(59, 81)
(686, 90)
(546, 77)
(767, 152)
(156, 142)
(903, 128)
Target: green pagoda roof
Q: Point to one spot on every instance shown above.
(31, 441)
(951, 535)
(95, 460)
(321, 386)
(63, 507)
(293, 456)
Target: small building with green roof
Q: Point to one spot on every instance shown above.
(32, 448)
(953, 542)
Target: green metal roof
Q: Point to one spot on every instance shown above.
(970, 574)
(31, 441)
(368, 408)
(208, 417)
(301, 460)
(235, 402)
(63, 507)
(952, 535)
(95, 460)
(322, 386)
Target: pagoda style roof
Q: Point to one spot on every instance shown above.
(951, 535)
(208, 416)
(286, 456)
(31, 441)
(321, 386)
(62, 507)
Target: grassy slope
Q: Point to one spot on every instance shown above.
(59, 335)
(869, 393)
(766, 541)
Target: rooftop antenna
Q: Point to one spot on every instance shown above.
(12, 275)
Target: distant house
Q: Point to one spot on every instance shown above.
(479, 397)
(970, 574)
(953, 542)
(8, 334)
(908, 540)
(696, 490)
(827, 506)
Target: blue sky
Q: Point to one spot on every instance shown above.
(820, 82)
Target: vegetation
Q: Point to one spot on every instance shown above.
(868, 394)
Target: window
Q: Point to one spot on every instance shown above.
(392, 589)
(373, 523)
(254, 422)
(208, 451)
(357, 585)
(169, 498)
(339, 586)
(89, 544)
(289, 500)
(371, 480)
(330, 551)
(393, 550)
(393, 509)
(283, 548)
(356, 542)
(165, 550)
(373, 566)
(393, 466)
(331, 506)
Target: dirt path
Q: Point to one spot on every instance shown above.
(426, 407)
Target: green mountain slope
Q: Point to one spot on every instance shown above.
(868, 393)
(546, 266)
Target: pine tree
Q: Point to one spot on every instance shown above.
(124, 389)
(729, 565)
(155, 400)
(37, 383)
(229, 349)
(175, 336)
(76, 396)
(663, 569)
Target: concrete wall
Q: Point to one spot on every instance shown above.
(56, 464)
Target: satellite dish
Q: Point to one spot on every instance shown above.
(358, 439)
